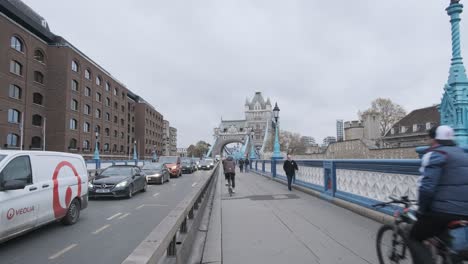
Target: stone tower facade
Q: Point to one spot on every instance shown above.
(258, 116)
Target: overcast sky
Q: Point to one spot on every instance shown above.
(196, 61)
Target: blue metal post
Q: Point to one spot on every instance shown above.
(276, 146)
(135, 157)
(96, 153)
(263, 166)
(454, 105)
(273, 167)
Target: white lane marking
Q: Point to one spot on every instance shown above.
(114, 216)
(194, 184)
(100, 229)
(156, 194)
(139, 207)
(155, 205)
(125, 215)
(63, 251)
(174, 184)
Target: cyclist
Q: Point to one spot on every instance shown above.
(229, 167)
(443, 191)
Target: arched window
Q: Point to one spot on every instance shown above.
(86, 127)
(36, 142)
(85, 144)
(75, 66)
(39, 56)
(122, 135)
(37, 120)
(14, 116)
(114, 148)
(107, 86)
(107, 116)
(115, 119)
(74, 105)
(116, 91)
(97, 129)
(121, 148)
(106, 147)
(98, 80)
(108, 101)
(72, 144)
(16, 67)
(74, 85)
(73, 124)
(39, 77)
(15, 92)
(115, 133)
(37, 98)
(98, 113)
(87, 74)
(122, 122)
(12, 140)
(16, 44)
(98, 97)
(107, 131)
(87, 110)
(87, 91)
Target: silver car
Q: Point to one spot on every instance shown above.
(156, 173)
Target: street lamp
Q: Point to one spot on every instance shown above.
(96, 147)
(135, 157)
(155, 156)
(276, 146)
(252, 150)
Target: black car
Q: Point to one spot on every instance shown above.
(156, 173)
(118, 181)
(187, 166)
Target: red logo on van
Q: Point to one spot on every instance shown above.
(10, 214)
(59, 211)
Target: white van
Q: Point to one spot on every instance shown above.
(39, 187)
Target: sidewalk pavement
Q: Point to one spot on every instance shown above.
(263, 222)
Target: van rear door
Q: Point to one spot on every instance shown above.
(18, 206)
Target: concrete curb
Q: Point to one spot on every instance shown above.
(366, 212)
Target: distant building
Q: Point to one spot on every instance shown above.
(368, 128)
(166, 138)
(339, 130)
(309, 141)
(353, 130)
(412, 130)
(182, 152)
(173, 141)
(328, 140)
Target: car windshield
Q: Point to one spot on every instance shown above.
(117, 171)
(2, 157)
(168, 160)
(152, 167)
(209, 160)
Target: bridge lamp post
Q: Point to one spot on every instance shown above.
(155, 156)
(135, 157)
(276, 146)
(96, 147)
(252, 150)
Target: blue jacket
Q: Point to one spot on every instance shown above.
(444, 182)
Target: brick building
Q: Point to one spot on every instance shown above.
(149, 127)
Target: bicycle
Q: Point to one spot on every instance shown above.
(401, 251)
(229, 185)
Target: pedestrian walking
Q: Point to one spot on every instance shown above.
(229, 167)
(290, 168)
(241, 165)
(247, 164)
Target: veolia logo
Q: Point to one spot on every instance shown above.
(59, 211)
(10, 214)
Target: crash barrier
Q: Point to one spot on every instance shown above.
(361, 182)
(171, 241)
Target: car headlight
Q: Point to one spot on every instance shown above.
(174, 167)
(122, 184)
(90, 185)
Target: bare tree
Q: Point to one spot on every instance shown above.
(389, 113)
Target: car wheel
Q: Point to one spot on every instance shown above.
(73, 213)
(145, 187)
(130, 192)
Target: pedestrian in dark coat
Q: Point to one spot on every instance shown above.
(290, 168)
(241, 165)
(247, 163)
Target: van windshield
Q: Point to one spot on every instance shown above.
(2, 157)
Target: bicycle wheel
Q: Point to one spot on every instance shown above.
(391, 247)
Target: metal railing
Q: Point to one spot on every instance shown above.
(171, 240)
(362, 182)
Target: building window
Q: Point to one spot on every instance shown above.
(86, 127)
(107, 116)
(123, 95)
(15, 92)
(74, 105)
(392, 131)
(12, 140)
(87, 74)
(106, 147)
(38, 77)
(115, 133)
(98, 113)
(37, 98)
(122, 108)
(428, 126)
(98, 97)
(36, 142)
(87, 110)
(121, 148)
(14, 116)
(16, 68)
(37, 120)
(17, 44)
(85, 144)
(87, 91)
(116, 91)
(74, 85)
(108, 101)
(107, 131)
(114, 148)
(73, 124)
(415, 127)
(122, 135)
(72, 144)
(98, 80)
(39, 56)
(74, 66)
(122, 122)
(107, 86)
(115, 119)
(98, 129)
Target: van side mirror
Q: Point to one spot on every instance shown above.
(12, 185)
